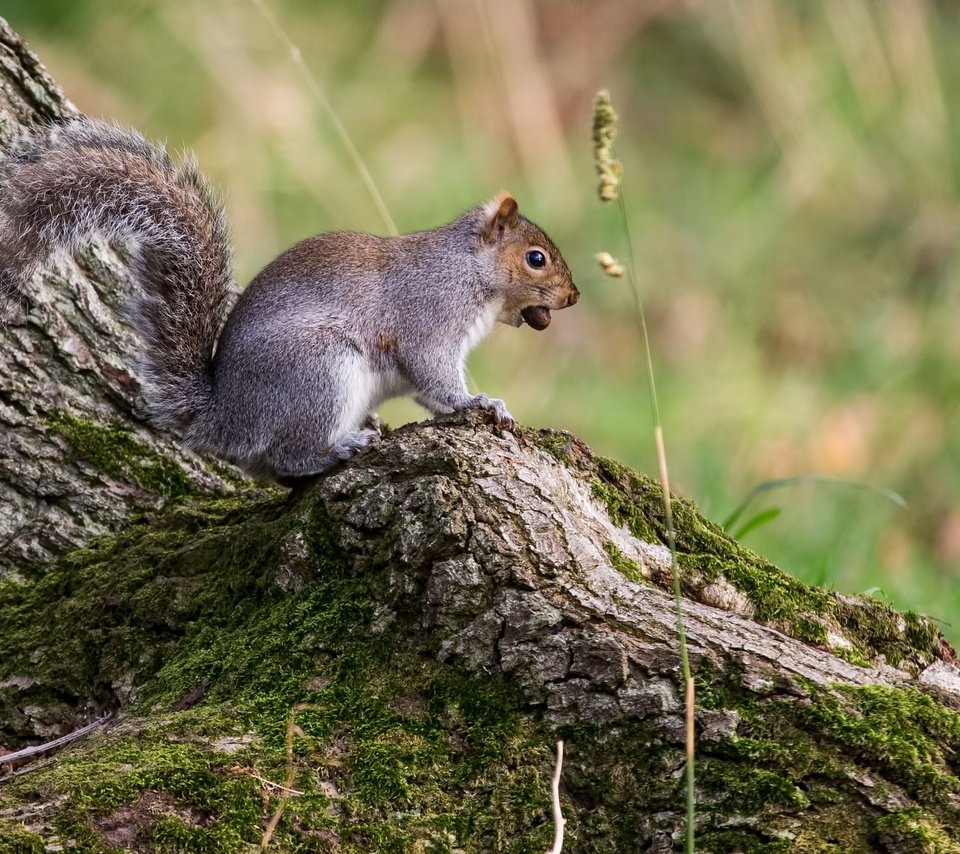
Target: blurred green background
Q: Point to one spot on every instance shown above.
(792, 188)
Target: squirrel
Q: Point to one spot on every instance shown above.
(281, 380)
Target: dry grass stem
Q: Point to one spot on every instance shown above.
(287, 788)
(269, 785)
(559, 822)
(317, 90)
(611, 170)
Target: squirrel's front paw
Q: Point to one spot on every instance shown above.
(497, 408)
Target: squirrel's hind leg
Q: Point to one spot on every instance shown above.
(317, 420)
(346, 448)
(290, 472)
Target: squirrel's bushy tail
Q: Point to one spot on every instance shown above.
(63, 184)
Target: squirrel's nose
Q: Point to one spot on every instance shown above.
(572, 298)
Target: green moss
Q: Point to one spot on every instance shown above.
(16, 838)
(835, 828)
(113, 611)
(631, 500)
(743, 841)
(853, 656)
(900, 638)
(705, 553)
(399, 735)
(911, 737)
(751, 789)
(915, 830)
(118, 454)
(625, 566)
(262, 606)
(904, 740)
(559, 445)
(107, 780)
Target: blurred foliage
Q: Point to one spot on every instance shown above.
(791, 177)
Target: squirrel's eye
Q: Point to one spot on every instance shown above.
(536, 259)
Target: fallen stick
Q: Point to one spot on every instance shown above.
(48, 746)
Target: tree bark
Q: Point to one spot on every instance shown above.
(68, 392)
(383, 661)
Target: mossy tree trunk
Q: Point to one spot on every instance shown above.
(386, 659)
(76, 454)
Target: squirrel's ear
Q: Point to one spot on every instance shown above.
(499, 214)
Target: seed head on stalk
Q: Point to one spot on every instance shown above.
(610, 265)
(604, 131)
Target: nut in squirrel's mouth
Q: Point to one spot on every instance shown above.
(536, 316)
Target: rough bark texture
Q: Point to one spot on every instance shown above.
(387, 657)
(66, 380)
(431, 616)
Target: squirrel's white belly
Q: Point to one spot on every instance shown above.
(387, 384)
(365, 390)
(481, 326)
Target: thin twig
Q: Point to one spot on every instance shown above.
(559, 822)
(269, 784)
(35, 765)
(56, 744)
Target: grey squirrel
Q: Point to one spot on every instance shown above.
(282, 383)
